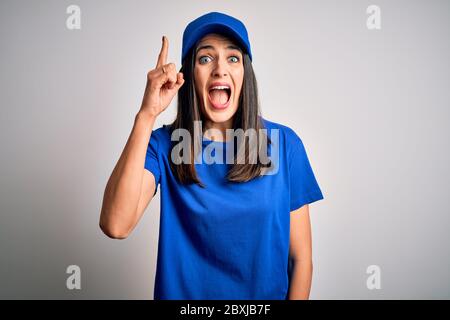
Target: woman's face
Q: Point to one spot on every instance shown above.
(219, 65)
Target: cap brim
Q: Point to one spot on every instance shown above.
(219, 29)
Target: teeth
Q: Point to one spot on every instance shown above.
(219, 87)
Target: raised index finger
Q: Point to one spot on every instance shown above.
(162, 58)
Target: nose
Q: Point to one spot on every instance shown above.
(220, 68)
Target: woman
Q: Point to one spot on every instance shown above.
(228, 230)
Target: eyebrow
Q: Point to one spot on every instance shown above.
(207, 46)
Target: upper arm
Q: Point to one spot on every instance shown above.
(300, 243)
(147, 192)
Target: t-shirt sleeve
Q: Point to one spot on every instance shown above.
(151, 159)
(304, 188)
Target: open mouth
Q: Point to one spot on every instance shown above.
(219, 96)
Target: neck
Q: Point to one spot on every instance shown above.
(217, 127)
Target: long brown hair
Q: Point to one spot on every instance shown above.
(247, 116)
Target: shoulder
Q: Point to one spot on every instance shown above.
(160, 138)
(287, 135)
(162, 132)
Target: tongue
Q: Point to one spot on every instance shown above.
(219, 96)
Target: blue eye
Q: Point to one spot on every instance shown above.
(202, 59)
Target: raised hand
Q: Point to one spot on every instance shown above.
(163, 83)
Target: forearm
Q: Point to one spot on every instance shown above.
(301, 278)
(122, 191)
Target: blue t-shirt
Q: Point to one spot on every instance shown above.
(229, 240)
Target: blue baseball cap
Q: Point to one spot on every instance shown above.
(215, 22)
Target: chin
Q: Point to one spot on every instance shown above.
(219, 116)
